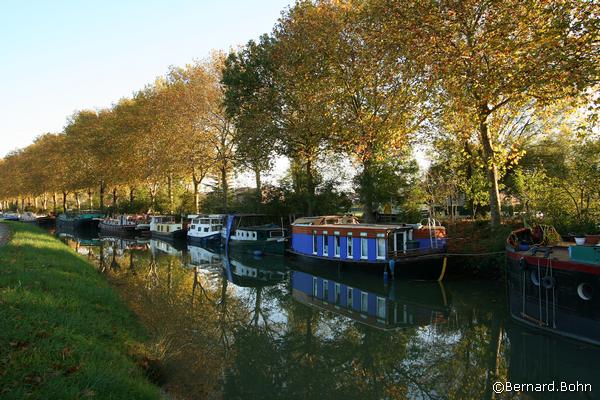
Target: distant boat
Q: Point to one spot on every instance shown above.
(252, 233)
(28, 217)
(165, 227)
(87, 219)
(205, 227)
(119, 225)
(10, 216)
(407, 250)
(554, 285)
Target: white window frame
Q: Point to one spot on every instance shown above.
(349, 247)
(325, 289)
(366, 255)
(337, 293)
(380, 256)
(337, 246)
(315, 286)
(315, 243)
(325, 245)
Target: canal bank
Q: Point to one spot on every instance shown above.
(64, 332)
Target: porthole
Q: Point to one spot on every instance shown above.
(535, 278)
(585, 291)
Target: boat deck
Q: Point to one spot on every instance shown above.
(559, 252)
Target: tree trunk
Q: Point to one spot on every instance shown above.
(78, 201)
(492, 168)
(64, 201)
(102, 194)
(131, 196)
(196, 184)
(170, 192)
(45, 202)
(115, 198)
(225, 187)
(258, 188)
(90, 198)
(54, 202)
(310, 188)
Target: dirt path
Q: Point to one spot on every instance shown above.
(4, 234)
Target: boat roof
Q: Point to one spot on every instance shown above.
(215, 216)
(347, 222)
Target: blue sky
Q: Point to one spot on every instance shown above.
(60, 56)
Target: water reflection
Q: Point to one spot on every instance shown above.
(230, 326)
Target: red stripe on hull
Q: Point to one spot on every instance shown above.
(556, 264)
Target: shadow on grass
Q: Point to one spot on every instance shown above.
(64, 332)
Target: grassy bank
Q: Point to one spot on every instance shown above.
(64, 332)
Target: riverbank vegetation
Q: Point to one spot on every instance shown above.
(501, 99)
(64, 332)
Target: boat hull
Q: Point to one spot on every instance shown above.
(77, 223)
(204, 239)
(273, 247)
(430, 267)
(178, 234)
(561, 298)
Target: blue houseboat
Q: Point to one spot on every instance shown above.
(369, 301)
(408, 250)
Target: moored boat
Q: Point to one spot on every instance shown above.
(87, 219)
(119, 225)
(252, 233)
(205, 227)
(554, 285)
(28, 217)
(407, 250)
(165, 227)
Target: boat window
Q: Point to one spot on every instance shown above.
(254, 235)
(381, 248)
(206, 229)
(336, 292)
(276, 233)
(205, 221)
(349, 246)
(364, 248)
(199, 229)
(325, 289)
(364, 301)
(325, 245)
(380, 307)
(349, 300)
(314, 247)
(336, 240)
(314, 287)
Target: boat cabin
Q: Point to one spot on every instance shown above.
(343, 238)
(164, 224)
(205, 225)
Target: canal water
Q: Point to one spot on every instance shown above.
(235, 326)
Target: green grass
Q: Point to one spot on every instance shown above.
(64, 332)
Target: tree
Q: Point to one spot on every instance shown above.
(486, 55)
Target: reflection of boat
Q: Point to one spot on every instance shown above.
(83, 238)
(165, 227)
(251, 233)
(173, 248)
(408, 250)
(552, 285)
(126, 243)
(203, 256)
(248, 271)
(536, 359)
(205, 227)
(79, 220)
(371, 301)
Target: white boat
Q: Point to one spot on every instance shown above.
(165, 227)
(28, 216)
(205, 227)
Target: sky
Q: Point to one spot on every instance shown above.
(57, 57)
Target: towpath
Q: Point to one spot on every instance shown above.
(4, 234)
